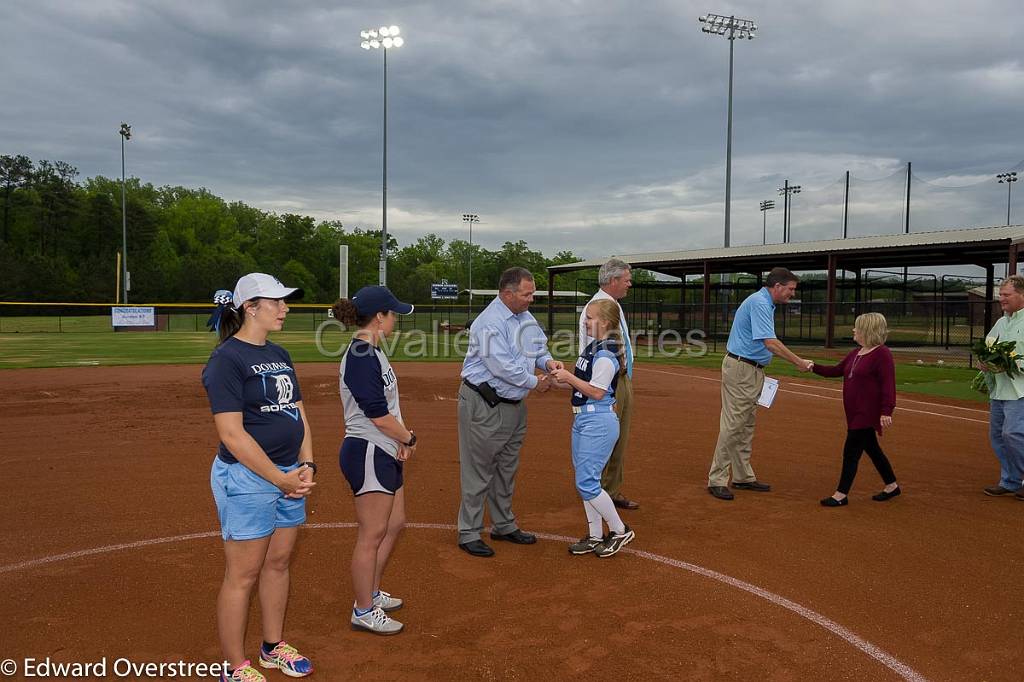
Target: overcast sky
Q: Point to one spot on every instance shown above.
(595, 126)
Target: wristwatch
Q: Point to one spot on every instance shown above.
(311, 464)
(412, 441)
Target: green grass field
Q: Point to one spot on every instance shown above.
(76, 349)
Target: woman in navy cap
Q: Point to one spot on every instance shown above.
(263, 470)
(376, 444)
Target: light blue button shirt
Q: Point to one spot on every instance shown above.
(504, 349)
(754, 322)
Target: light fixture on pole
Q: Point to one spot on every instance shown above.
(126, 134)
(731, 28)
(787, 208)
(385, 37)
(765, 206)
(1009, 179)
(470, 218)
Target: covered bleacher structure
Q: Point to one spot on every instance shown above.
(985, 247)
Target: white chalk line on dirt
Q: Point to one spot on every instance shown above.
(875, 652)
(828, 397)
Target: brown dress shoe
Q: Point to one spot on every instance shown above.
(622, 502)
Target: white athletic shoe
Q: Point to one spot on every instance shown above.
(613, 542)
(386, 602)
(377, 622)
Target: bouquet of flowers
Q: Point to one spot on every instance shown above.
(998, 357)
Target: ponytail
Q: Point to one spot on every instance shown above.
(230, 322)
(344, 310)
(225, 319)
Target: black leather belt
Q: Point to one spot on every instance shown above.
(476, 388)
(746, 360)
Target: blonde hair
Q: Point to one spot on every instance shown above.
(607, 311)
(872, 327)
(1015, 281)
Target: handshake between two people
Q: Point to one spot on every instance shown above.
(555, 377)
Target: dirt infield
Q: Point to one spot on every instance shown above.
(928, 584)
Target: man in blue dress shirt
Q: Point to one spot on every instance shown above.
(506, 346)
(752, 343)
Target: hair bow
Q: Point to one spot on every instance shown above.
(223, 298)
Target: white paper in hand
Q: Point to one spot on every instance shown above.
(768, 391)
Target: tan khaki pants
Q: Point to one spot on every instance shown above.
(741, 387)
(611, 477)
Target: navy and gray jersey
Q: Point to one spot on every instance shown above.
(598, 366)
(369, 389)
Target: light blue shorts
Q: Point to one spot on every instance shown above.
(248, 505)
(593, 438)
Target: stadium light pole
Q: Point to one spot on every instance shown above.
(1009, 179)
(765, 206)
(470, 218)
(731, 28)
(786, 191)
(385, 38)
(126, 134)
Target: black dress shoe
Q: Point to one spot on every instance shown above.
(476, 548)
(756, 486)
(883, 496)
(517, 536)
(833, 502)
(720, 491)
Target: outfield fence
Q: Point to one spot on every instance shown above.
(929, 330)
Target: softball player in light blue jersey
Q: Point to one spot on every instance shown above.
(595, 428)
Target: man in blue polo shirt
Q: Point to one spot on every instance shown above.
(752, 343)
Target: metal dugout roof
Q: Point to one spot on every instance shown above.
(981, 246)
(976, 246)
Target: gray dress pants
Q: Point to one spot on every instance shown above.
(489, 443)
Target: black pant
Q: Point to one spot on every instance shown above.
(857, 441)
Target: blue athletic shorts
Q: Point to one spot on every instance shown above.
(369, 469)
(248, 505)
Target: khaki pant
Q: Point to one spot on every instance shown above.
(741, 387)
(611, 478)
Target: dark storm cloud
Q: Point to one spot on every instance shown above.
(594, 126)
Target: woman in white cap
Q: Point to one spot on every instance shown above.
(263, 470)
(376, 444)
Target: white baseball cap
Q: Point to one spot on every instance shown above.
(260, 285)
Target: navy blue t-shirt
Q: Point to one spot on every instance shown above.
(259, 382)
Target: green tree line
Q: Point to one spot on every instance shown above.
(60, 239)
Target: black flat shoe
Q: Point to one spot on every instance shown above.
(883, 496)
(833, 502)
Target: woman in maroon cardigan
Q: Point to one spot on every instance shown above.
(869, 397)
